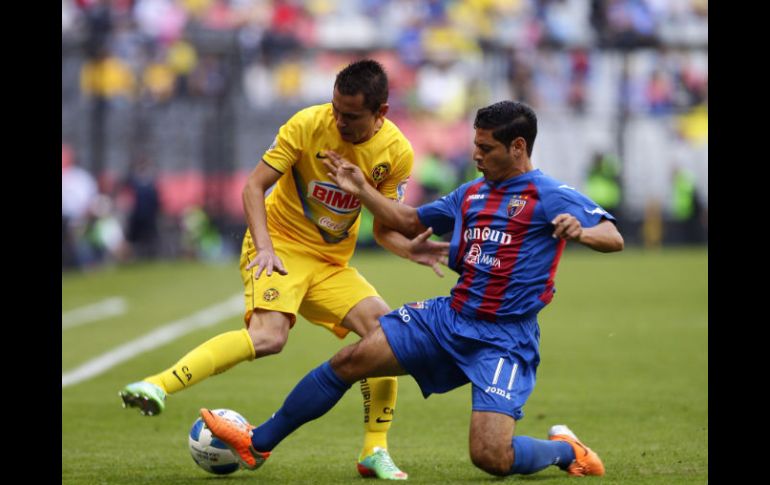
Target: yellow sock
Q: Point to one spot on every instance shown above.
(209, 358)
(379, 404)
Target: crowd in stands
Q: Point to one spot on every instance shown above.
(596, 59)
(154, 50)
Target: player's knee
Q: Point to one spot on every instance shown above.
(267, 342)
(365, 316)
(273, 344)
(495, 460)
(345, 363)
(379, 308)
(269, 332)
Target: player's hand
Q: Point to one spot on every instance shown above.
(347, 176)
(567, 226)
(268, 262)
(429, 253)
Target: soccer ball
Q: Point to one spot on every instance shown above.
(210, 453)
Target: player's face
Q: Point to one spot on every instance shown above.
(355, 122)
(493, 159)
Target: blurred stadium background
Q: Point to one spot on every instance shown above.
(167, 105)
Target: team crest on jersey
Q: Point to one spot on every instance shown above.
(271, 294)
(516, 205)
(380, 171)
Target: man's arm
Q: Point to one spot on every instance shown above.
(394, 223)
(260, 179)
(603, 237)
(420, 249)
(391, 213)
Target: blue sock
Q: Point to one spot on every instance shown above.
(311, 398)
(531, 455)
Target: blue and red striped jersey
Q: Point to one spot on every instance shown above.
(502, 244)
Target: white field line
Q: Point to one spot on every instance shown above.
(109, 307)
(158, 337)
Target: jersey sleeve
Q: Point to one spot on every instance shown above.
(394, 186)
(567, 200)
(287, 146)
(441, 213)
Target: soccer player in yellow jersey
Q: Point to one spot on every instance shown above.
(305, 231)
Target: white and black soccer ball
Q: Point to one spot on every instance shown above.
(209, 452)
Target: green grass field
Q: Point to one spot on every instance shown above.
(624, 364)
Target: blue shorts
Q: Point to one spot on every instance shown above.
(443, 350)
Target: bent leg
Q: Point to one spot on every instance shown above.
(323, 387)
(267, 334)
(369, 357)
(379, 393)
(490, 441)
(211, 357)
(364, 316)
(269, 331)
(495, 450)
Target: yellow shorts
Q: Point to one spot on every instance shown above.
(320, 291)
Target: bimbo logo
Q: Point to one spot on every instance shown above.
(333, 197)
(486, 234)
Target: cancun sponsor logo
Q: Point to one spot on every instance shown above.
(486, 234)
(332, 197)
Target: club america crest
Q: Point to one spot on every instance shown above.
(380, 171)
(516, 205)
(270, 294)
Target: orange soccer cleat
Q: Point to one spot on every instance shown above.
(237, 437)
(586, 462)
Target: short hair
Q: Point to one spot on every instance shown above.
(508, 120)
(367, 77)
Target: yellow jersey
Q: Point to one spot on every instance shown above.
(305, 205)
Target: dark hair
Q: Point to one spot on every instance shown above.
(367, 77)
(508, 120)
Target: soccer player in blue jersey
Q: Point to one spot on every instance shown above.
(509, 229)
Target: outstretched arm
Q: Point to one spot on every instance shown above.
(603, 237)
(391, 213)
(260, 179)
(419, 249)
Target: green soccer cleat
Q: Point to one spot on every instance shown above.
(379, 464)
(149, 398)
